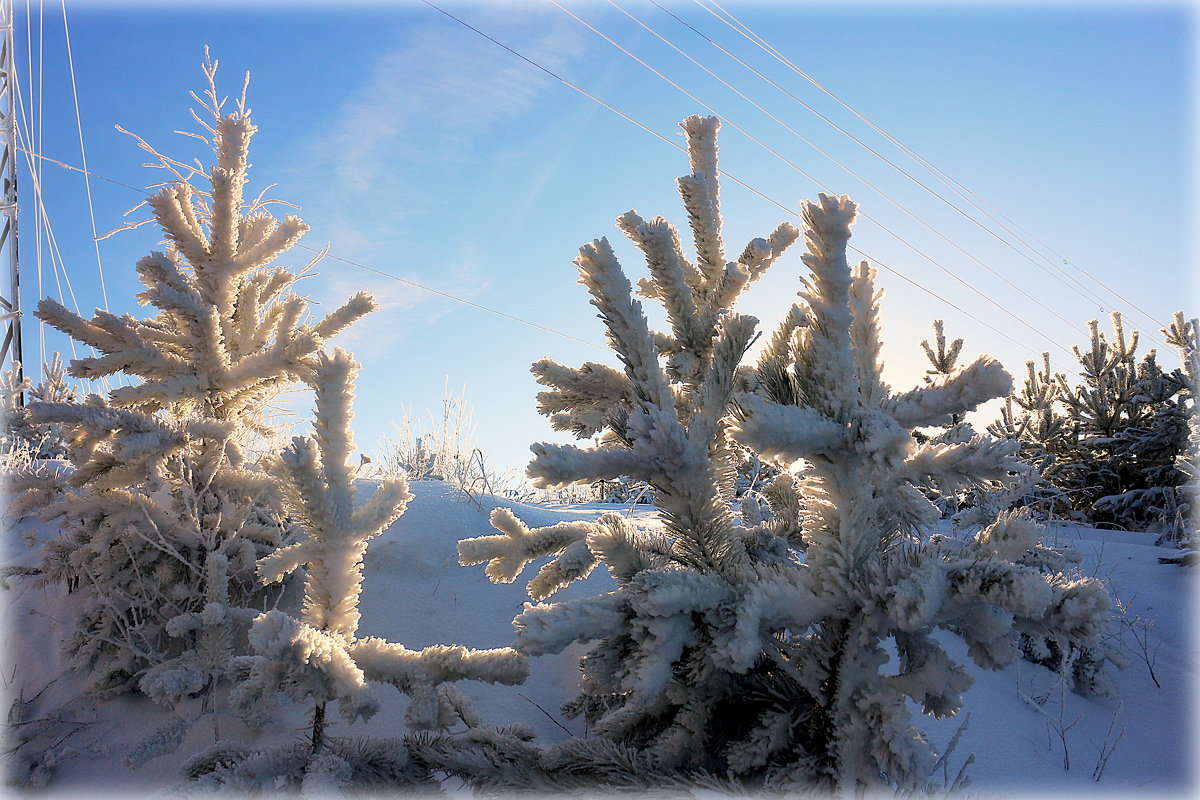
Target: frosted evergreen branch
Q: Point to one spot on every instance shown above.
(659, 242)
(582, 400)
(382, 508)
(350, 312)
(943, 358)
(827, 347)
(508, 554)
(550, 627)
(283, 561)
(625, 549)
(626, 325)
(314, 663)
(393, 663)
(956, 466)
(173, 210)
(783, 434)
(575, 562)
(983, 380)
(864, 335)
(733, 338)
(57, 316)
(228, 178)
(265, 238)
(701, 195)
(632, 225)
(758, 256)
(561, 464)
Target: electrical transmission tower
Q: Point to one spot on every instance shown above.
(10, 305)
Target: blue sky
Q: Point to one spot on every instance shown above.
(417, 147)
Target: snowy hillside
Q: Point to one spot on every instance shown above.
(415, 593)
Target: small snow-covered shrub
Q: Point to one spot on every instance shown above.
(319, 657)
(434, 449)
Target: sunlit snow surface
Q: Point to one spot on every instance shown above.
(415, 593)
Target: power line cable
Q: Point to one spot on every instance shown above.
(87, 182)
(27, 121)
(929, 167)
(43, 219)
(739, 27)
(825, 187)
(946, 179)
(878, 262)
(74, 168)
(462, 300)
(736, 180)
(658, 135)
(21, 120)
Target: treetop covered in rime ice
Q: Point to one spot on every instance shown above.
(727, 648)
(697, 298)
(228, 334)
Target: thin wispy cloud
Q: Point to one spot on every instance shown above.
(404, 310)
(441, 92)
(433, 102)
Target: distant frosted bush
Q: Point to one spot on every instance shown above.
(442, 448)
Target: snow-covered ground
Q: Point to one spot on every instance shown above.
(1023, 729)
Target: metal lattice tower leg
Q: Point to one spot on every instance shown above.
(10, 305)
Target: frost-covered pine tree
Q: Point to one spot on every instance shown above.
(319, 657)
(1112, 449)
(1148, 448)
(1184, 335)
(720, 650)
(1031, 416)
(161, 480)
(1100, 409)
(16, 428)
(1159, 443)
(829, 712)
(943, 357)
(649, 681)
